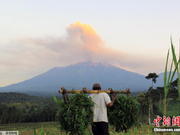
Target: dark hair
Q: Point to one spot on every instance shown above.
(96, 86)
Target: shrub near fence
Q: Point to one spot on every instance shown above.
(124, 114)
(75, 115)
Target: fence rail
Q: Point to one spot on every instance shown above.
(127, 91)
(84, 90)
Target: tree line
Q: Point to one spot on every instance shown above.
(20, 113)
(19, 107)
(152, 100)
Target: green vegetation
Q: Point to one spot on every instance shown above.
(152, 76)
(172, 108)
(76, 115)
(20, 108)
(32, 113)
(14, 97)
(49, 128)
(169, 78)
(177, 64)
(124, 114)
(53, 128)
(157, 96)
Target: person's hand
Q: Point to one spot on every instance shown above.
(112, 102)
(115, 97)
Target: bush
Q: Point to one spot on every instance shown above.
(76, 115)
(124, 114)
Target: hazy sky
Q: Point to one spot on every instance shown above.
(37, 35)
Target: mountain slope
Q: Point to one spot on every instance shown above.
(81, 75)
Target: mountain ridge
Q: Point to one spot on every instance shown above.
(79, 75)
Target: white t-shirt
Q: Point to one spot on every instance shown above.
(101, 101)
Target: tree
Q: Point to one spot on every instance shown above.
(142, 99)
(152, 76)
(174, 84)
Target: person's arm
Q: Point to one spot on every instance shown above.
(112, 102)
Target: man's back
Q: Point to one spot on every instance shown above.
(101, 101)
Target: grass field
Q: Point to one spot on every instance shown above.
(53, 128)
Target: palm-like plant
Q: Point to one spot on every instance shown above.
(152, 76)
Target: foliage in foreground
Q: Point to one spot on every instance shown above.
(169, 78)
(52, 128)
(124, 114)
(75, 116)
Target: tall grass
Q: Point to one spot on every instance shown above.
(169, 78)
(177, 63)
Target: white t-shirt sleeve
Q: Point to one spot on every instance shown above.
(107, 98)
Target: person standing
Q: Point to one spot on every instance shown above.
(100, 119)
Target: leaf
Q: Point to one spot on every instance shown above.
(55, 99)
(165, 75)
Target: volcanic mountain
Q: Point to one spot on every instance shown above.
(82, 74)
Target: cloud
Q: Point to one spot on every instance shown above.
(27, 57)
(82, 43)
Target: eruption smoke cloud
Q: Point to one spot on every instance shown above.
(82, 43)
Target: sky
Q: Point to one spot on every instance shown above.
(36, 36)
